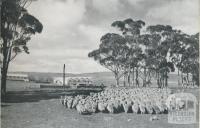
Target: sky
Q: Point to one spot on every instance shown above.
(73, 28)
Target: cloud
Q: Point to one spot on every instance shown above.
(73, 28)
(93, 34)
(56, 13)
(181, 14)
(76, 62)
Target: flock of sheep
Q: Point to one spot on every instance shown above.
(116, 100)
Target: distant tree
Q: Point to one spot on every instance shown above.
(17, 26)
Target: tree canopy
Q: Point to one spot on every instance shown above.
(17, 27)
(153, 51)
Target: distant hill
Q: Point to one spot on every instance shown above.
(94, 74)
(105, 78)
(43, 74)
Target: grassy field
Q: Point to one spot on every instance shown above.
(41, 108)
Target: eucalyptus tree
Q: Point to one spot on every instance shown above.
(163, 36)
(195, 55)
(145, 63)
(184, 54)
(131, 31)
(17, 27)
(176, 51)
(110, 54)
(190, 57)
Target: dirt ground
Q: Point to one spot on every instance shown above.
(42, 109)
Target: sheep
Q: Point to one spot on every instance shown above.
(102, 107)
(156, 109)
(94, 107)
(65, 101)
(142, 108)
(75, 102)
(69, 102)
(135, 108)
(81, 108)
(117, 105)
(160, 106)
(121, 99)
(91, 107)
(110, 107)
(149, 108)
(88, 107)
(126, 106)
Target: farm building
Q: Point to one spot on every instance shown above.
(58, 80)
(17, 77)
(74, 81)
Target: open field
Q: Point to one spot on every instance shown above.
(36, 108)
(51, 114)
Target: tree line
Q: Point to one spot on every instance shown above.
(146, 52)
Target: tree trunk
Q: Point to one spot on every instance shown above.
(158, 79)
(133, 77)
(178, 78)
(3, 85)
(182, 79)
(149, 78)
(4, 70)
(125, 79)
(145, 76)
(166, 79)
(136, 77)
(129, 82)
(187, 79)
(3, 81)
(117, 82)
(193, 79)
(117, 79)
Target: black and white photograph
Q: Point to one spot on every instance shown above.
(99, 63)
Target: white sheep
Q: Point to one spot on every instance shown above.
(156, 109)
(110, 107)
(149, 108)
(75, 102)
(135, 108)
(81, 108)
(126, 106)
(65, 101)
(102, 107)
(142, 108)
(69, 102)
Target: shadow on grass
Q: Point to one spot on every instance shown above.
(37, 95)
(4, 105)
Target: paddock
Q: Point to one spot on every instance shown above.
(46, 111)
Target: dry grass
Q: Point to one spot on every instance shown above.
(49, 113)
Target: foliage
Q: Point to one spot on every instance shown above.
(153, 51)
(17, 27)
